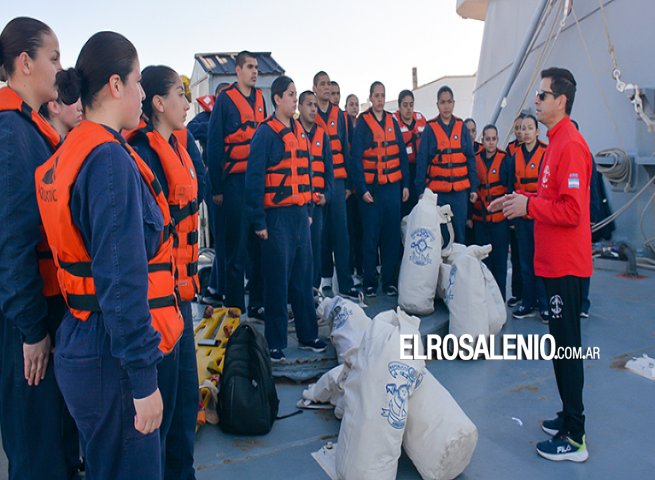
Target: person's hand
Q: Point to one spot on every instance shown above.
(218, 199)
(367, 197)
(497, 204)
(310, 221)
(263, 234)
(149, 412)
(516, 206)
(348, 193)
(321, 199)
(35, 360)
(469, 224)
(473, 196)
(405, 194)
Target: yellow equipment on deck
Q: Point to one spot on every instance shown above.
(211, 337)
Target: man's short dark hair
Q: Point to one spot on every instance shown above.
(333, 83)
(562, 83)
(445, 89)
(403, 94)
(470, 120)
(304, 95)
(318, 76)
(242, 56)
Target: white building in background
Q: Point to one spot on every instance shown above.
(425, 96)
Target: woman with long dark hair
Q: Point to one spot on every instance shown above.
(30, 305)
(109, 226)
(166, 107)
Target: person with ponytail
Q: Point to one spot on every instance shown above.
(109, 226)
(166, 108)
(32, 409)
(279, 206)
(64, 113)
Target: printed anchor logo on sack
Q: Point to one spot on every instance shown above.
(422, 238)
(341, 315)
(399, 393)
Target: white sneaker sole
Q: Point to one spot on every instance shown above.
(525, 315)
(312, 349)
(549, 431)
(577, 457)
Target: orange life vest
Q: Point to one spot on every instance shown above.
(490, 188)
(288, 182)
(183, 205)
(237, 144)
(331, 128)
(411, 133)
(54, 180)
(181, 135)
(512, 147)
(381, 160)
(527, 172)
(447, 170)
(312, 148)
(11, 101)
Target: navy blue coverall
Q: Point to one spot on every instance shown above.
(177, 373)
(336, 238)
(458, 201)
(318, 213)
(199, 126)
(32, 418)
(380, 219)
(105, 362)
(241, 243)
(287, 254)
(496, 233)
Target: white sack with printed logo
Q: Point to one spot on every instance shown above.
(466, 293)
(347, 322)
(377, 392)
(448, 256)
(419, 269)
(439, 438)
(496, 311)
(328, 389)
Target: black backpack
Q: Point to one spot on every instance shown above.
(247, 399)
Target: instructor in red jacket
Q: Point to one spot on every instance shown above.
(562, 254)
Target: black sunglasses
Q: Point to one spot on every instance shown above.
(541, 94)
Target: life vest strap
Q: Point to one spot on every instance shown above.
(192, 237)
(180, 213)
(445, 178)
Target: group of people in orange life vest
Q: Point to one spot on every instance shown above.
(119, 223)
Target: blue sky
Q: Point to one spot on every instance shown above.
(356, 41)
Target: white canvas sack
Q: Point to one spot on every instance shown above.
(439, 437)
(466, 293)
(419, 269)
(497, 313)
(347, 322)
(377, 391)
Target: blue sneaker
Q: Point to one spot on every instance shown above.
(554, 426)
(317, 345)
(277, 355)
(562, 447)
